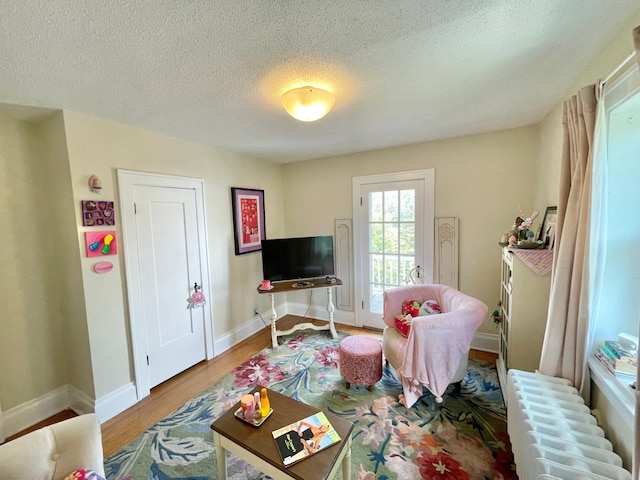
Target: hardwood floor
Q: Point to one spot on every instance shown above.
(169, 395)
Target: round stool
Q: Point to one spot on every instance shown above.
(360, 360)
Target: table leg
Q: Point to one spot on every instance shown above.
(331, 309)
(346, 462)
(221, 457)
(272, 316)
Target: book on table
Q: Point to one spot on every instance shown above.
(305, 437)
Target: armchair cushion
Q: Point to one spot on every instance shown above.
(53, 452)
(437, 343)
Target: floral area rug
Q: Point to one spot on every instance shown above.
(462, 438)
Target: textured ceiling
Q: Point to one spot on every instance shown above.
(212, 71)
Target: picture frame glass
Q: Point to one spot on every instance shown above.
(248, 219)
(548, 228)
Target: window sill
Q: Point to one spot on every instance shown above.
(620, 394)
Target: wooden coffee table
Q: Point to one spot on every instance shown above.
(256, 445)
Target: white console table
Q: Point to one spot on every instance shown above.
(297, 285)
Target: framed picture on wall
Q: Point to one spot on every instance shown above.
(248, 219)
(548, 229)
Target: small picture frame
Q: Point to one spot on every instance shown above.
(248, 219)
(548, 229)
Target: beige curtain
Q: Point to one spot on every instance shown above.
(636, 443)
(563, 350)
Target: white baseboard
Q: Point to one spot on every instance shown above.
(244, 331)
(116, 402)
(485, 342)
(33, 411)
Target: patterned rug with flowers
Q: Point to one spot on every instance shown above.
(462, 438)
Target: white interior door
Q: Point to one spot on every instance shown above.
(165, 255)
(394, 234)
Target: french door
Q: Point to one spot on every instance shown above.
(393, 231)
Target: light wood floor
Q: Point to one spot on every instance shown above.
(168, 396)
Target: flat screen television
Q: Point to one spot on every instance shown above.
(297, 258)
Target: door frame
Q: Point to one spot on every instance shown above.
(127, 180)
(426, 175)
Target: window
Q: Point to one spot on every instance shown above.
(615, 234)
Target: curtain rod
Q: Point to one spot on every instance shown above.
(619, 67)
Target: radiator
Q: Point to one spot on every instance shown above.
(553, 433)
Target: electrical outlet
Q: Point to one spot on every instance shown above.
(255, 311)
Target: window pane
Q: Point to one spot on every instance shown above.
(375, 238)
(377, 270)
(391, 270)
(407, 238)
(391, 206)
(406, 264)
(375, 206)
(391, 238)
(375, 298)
(407, 205)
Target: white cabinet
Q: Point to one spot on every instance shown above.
(524, 298)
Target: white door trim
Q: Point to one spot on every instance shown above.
(428, 176)
(127, 179)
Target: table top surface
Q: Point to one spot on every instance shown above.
(260, 442)
(292, 285)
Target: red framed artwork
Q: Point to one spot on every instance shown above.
(248, 219)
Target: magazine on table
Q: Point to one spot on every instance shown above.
(304, 438)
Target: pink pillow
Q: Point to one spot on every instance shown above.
(430, 307)
(410, 307)
(403, 324)
(83, 474)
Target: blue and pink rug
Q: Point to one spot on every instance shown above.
(462, 438)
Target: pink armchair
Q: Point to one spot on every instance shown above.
(435, 353)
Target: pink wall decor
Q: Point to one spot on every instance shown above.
(97, 213)
(100, 244)
(103, 267)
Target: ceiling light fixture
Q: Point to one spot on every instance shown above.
(307, 103)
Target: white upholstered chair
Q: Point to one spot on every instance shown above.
(436, 351)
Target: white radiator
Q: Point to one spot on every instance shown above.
(553, 434)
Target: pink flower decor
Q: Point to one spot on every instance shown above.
(196, 299)
(257, 371)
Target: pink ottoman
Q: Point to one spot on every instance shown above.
(360, 360)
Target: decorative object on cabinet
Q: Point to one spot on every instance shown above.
(100, 243)
(97, 213)
(248, 219)
(523, 304)
(548, 229)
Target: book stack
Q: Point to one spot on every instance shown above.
(620, 361)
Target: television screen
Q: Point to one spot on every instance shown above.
(297, 258)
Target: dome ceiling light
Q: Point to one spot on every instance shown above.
(307, 104)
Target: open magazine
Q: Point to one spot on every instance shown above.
(304, 437)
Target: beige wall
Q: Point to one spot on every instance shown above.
(481, 179)
(98, 147)
(32, 349)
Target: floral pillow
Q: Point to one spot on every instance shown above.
(430, 307)
(83, 474)
(410, 307)
(403, 324)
